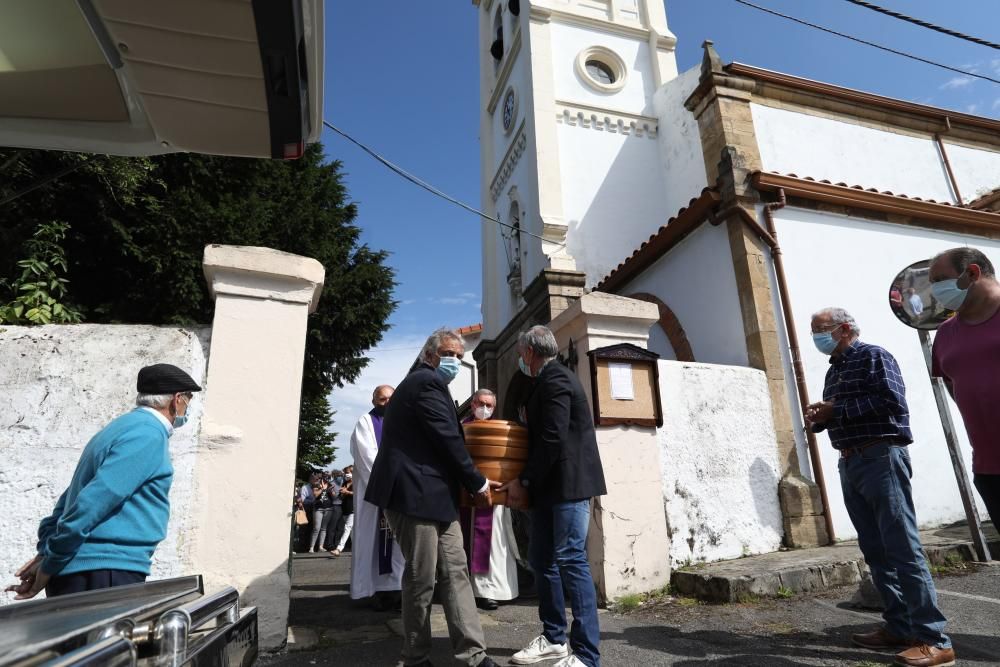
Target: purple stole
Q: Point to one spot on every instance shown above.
(477, 534)
(383, 536)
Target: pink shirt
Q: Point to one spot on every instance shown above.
(969, 356)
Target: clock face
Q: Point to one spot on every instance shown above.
(508, 110)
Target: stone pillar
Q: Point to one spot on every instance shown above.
(246, 462)
(628, 543)
(721, 104)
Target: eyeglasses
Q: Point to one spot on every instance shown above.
(829, 327)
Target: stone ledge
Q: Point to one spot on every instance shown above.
(808, 570)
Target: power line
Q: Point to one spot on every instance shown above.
(430, 188)
(867, 43)
(922, 23)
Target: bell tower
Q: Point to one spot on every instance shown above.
(568, 138)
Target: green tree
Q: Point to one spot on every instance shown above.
(137, 232)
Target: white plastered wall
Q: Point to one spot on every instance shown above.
(835, 260)
(680, 142)
(697, 281)
(719, 457)
(823, 148)
(61, 385)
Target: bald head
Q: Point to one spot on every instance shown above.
(381, 395)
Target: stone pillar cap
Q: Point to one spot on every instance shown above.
(264, 264)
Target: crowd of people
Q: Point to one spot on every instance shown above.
(399, 502)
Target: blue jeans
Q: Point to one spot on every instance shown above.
(558, 554)
(876, 484)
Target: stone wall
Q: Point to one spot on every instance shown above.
(59, 385)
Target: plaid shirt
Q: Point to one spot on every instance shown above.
(869, 398)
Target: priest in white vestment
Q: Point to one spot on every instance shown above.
(489, 535)
(376, 561)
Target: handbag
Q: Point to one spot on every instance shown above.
(301, 518)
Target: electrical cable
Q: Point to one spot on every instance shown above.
(922, 23)
(867, 43)
(430, 188)
(44, 181)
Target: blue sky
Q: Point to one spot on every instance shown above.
(403, 77)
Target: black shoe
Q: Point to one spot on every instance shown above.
(487, 604)
(487, 661)
(425, 663)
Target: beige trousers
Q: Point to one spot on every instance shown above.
(433, 549)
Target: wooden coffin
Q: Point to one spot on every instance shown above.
(499, 449)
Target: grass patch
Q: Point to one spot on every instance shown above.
(630, 602)
(688, 602)
(871, 663)
(784, 593)
(952, 564)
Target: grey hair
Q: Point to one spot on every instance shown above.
(540, 340)
(485, 392)
(153, 400)
(434, 341)
(840, 316)
(960, 259)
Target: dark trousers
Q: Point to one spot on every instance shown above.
(989, 489)
(91, 580)
(332, 533)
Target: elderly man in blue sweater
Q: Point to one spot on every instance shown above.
(107, 524)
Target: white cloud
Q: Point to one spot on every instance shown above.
(996, 104)
(457, 300)
(957, 82)
(972, 108)
(389, 363)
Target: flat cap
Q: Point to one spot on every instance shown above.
(164, 379)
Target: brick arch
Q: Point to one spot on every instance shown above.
(671, 326)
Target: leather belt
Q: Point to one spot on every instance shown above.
(848, 452)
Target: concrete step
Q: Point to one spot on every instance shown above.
(807, 570)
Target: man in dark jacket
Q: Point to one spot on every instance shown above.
(420, 466)
(562, 474)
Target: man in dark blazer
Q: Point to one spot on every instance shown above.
(421, 467)
(562, 474)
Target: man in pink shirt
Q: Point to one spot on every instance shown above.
(967, 356)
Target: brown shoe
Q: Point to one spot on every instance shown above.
(923, 655)
(880, 639)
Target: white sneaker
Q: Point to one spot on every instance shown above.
(540, 649)
(570, 661)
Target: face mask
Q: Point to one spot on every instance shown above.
(483, 412)
(339, 480)
(180, 420)
(949, 294)
(448, 368)
(524, 367)
(824, 342)
(348, 476)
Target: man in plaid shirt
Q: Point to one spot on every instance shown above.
(864, 412)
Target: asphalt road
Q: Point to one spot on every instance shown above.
(802, 630)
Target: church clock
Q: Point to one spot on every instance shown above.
(509, 111)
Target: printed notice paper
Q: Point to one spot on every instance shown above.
(621, 381)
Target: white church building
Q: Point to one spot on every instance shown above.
(739, 201)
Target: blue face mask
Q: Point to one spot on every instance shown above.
(449, 367)
(180, 420)
(524, 367)
(824, 342)
(949, 294)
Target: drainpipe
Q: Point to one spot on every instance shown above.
(793, 347)
(947, 162)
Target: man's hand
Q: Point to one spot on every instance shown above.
(517, 495)
(485, 499)
(33, 580)
(819, 413)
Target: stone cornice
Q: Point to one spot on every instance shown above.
(505, 70)
(609, 120)
(943, 215)
(510, 160)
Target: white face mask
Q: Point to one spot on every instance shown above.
(483, 412)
